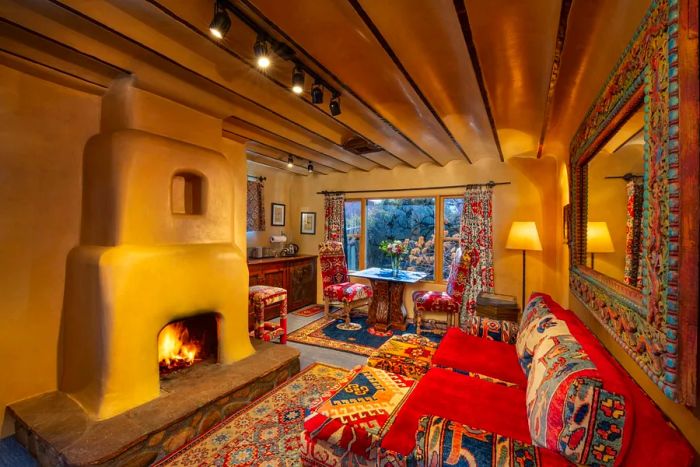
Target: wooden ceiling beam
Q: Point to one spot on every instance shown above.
(463, 18)
(270, 139)
(397, 62)
(255, 129)
(556, 65)
(273, 163)
(257, 12)
(281, 156)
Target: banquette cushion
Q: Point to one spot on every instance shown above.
(470, 354)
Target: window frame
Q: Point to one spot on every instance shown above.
(439, 229)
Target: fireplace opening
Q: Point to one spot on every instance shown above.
(186, 342)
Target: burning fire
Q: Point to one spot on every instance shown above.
(175, 349)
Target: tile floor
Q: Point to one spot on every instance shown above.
(12, 454)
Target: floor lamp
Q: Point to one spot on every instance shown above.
(523, 236)
(598, 240)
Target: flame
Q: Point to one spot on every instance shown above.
(175, 349)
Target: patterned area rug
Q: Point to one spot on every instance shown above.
(267, 431)
(309, 310)
(362, 341)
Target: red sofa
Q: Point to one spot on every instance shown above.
(501, 408)
(550, 395)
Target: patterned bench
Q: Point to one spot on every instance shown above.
(408, 355)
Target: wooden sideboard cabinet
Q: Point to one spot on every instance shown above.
(296, 274)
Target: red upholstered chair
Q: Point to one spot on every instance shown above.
(449, 301)
(337, 289)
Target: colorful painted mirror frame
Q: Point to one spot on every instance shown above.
(656, 326)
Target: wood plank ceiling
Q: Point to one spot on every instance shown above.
(427, 81)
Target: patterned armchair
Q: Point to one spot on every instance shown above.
(336, 286)
(449, 301)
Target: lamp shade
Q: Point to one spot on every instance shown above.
(523, 236)
(598, 238)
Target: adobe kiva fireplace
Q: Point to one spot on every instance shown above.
(156, 246)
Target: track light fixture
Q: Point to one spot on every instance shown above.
(317, 93)
(310, 167)
(334, 105)
(297, 80)
(260, 50)
(221, 23)
(265, 46)
(290, 161)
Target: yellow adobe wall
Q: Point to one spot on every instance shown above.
(278, 189)
(563, 255)
(43, 130)
(235, 154)
(531, 196)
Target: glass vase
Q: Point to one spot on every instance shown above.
(395, 265)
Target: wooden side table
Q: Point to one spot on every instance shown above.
(386, 309)
(498, 307)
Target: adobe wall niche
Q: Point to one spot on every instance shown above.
(140, 264)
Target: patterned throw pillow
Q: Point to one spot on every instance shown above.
(535, 308)
(444, 442)
(543, 325)
(568, 408)
(493, 329)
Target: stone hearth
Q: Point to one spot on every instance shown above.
(57, 431)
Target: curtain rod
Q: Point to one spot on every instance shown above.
(491, 184)
(627, 177)
(260, 179)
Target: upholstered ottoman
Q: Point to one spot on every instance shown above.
(408, 355)
(346, 425)
(260, 297)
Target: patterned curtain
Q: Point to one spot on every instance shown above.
(476, 240)
(633, 244)
(334, 228)
(256, 207)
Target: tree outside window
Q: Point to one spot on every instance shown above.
(411, 220)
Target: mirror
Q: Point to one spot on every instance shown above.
(614, 204)
(655, 323)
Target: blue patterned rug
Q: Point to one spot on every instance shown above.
(363, 341)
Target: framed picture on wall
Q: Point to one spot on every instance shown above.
(278, 214)
(308, 223)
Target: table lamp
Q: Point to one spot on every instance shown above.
(598, 240)
(523, 236)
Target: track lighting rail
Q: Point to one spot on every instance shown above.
(280, 49)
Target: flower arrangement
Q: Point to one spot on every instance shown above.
(394, 249)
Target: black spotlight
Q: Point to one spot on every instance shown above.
(261, 53)
(297, 80)
(317, 93)
(334, 105)
(221, 23)
(290, 161)
(310, 167)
